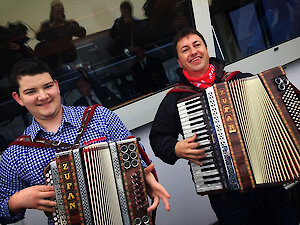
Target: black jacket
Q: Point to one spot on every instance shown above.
(108, 99)
(166, 125)
(152, 78)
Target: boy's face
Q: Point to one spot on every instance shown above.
(40, 95)
(192, 55)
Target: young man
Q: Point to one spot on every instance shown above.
(22, 182)
(198, 71)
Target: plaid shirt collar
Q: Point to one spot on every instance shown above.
(68, 117)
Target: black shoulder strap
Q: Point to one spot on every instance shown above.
(25, 140)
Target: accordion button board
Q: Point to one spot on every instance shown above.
(101, 183)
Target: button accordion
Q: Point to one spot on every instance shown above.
(101, 183)
(249, 129)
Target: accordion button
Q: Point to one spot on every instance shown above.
(145, 219)
(125, 157)
(127, 165)
(124, 148)
(134, 163)
(131, 147)
(133, 155)
(137, 221)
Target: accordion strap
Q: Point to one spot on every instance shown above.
(183, 88)
(25, 140)
(229, 75)
(87, 116)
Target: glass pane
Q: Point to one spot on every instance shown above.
(246, 27)
(114, 51)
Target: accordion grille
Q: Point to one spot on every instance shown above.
(101, 186)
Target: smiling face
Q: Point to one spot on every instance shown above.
(192, 55)
(40, 95)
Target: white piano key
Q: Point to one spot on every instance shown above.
(190, 132)
(184, 112)
(197, 99)
(212, 166)
(204, 142)
(190, 128)
(188, 123)
(192, 115)
(205, 188)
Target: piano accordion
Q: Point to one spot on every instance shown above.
(249, 129)
(101, 184)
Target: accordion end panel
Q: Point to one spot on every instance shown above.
(285, 100)
(287, 103)
(134, 181)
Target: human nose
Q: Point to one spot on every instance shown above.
(42, 95)
(193, 51)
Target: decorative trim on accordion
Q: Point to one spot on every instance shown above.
(234, 137)
(217, 120)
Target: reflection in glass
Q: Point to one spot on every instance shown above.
(93, 45)
(247, 27)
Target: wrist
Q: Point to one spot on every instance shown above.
(14, 205)
(176, 149)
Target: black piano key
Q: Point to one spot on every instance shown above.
(211, 176)
(200, 130)
(211, 181)
(208, 168)
(206, 158)
(207, 164)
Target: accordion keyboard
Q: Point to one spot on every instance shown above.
(192, 117)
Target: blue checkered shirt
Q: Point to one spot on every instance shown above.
(21, 166)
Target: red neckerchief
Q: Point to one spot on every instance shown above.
(205, 80)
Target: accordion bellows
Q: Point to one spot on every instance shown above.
(249, 129)
(101, 184)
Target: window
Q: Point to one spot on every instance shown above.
(243, 27)
(120, 51)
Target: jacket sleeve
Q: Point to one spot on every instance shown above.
(165, 130)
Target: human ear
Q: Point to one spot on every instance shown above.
(179, 63)
(16, 96)
(56, 83)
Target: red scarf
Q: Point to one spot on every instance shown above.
(205, 80)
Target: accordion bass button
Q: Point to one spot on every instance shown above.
(134, 163)
(124, 148)
(145, 219)
(133, 155)
(127, 165)
(125, 157)
(131, 147)
(137, 221)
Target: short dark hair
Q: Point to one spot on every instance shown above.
(27, 67)
(126, 5)
(183, 33)
(82, 78)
